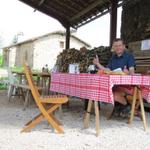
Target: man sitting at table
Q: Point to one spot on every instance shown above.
(124, 60)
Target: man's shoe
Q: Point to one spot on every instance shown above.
(116, 111)
(125, 111)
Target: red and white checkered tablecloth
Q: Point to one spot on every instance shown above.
(97, 87)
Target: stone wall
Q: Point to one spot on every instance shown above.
(24, 52)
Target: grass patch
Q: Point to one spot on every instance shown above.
(3, 87)
(17, 69)
(5, 80)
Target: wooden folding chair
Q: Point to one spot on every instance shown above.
(54, 101)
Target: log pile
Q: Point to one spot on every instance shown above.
(135, 20)
(83, 56)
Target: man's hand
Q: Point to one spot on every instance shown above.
(130, 71)
(96, 61)
(125, 70)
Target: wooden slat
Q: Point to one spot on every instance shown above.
(143, 57)
(89, 8)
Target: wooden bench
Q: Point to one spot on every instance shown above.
(142, 64)
(23, 91)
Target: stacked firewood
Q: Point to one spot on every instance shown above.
(83, 57)
(135, 20)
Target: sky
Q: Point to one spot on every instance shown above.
(17, 17)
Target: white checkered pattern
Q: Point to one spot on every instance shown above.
(97, 87)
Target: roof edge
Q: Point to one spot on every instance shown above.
(46, 35)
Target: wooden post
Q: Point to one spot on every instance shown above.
(113, 21)
(68, 37)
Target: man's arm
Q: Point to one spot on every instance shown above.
(97, 63)
(131, 64)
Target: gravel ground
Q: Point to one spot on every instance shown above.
(115, 134)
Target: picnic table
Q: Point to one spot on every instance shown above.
(99, 88)
(42, 75)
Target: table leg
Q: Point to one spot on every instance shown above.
(49, 85)
(142, 109)
(133, 105)
(26, 99)
(87, 114)
(96, 117)
(38, 81)
(20, 80)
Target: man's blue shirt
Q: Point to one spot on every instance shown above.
(125, 60)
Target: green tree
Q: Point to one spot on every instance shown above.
(1, 60)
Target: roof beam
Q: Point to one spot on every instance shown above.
(67, 6)
(56, 15)
(90, 20)
(96, 16)
(74, 4)
(54, 9)
(53, 14)
(40, 3)
(87, 9)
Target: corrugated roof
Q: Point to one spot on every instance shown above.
(72, 13)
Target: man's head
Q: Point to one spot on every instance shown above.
(118, 46)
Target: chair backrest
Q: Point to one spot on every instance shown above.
(32, 86)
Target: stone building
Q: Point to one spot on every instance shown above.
(40, 51)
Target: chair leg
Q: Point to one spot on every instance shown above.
(26, 99)
(40, 114)
(9, 90)
(52, 121)
(39, 117)
(10, 93)
(22, 94)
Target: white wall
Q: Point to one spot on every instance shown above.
(46, 50)
(75, 43)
